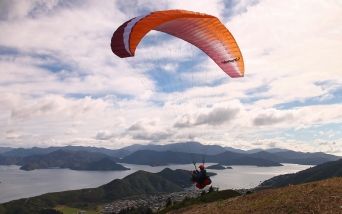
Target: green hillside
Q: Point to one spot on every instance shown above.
(319, 172)
(138, 183)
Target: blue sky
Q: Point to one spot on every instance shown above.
(61, 84)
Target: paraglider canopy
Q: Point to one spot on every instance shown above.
(203, 31)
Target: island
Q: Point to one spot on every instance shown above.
(218, 167)
(79, 160)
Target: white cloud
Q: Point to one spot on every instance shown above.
(272, 117)
(279, 48)
(17, 9)
(215, 116)
(213, 7)
(148, 130)
(104, 135)
(12, 135)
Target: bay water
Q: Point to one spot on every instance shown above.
(16, 183)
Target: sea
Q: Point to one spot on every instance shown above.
(16, 183)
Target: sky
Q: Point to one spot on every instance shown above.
(61, 84)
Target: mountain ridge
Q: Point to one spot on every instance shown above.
(214, 153)
(155, 158)
(188, 146)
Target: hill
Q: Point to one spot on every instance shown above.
(316, 197)
(231, 158)
(9, 160)
(295, 157)
(25, 152)
(5, 149)
(138, 183)
(104, 164)
(187, 147)
(78, 160)
(305, 158)
(261, 158)
(178, 176)
(319, 172)
(155, 158)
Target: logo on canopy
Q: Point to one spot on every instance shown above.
(231, 60)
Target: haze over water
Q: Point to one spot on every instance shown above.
(16, 183)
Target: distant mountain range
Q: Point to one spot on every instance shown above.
(24, 152)
(155, 158)
(5, 149)
(187, 147)
(138, 183)
(295, 157)
(194, 147)
(154, 155)
(319, 172)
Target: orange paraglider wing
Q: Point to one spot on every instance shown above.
(203, 31)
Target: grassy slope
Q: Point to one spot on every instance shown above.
(316, 197)
(316, 173)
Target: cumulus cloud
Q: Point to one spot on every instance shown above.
(217, 117)
(19, 9)
(56, 106)
(71, 131)
(148, 131)
(271, 118)
(104, 135)
(12, 135)
(214, 117)
(287, 55)
(151, 137)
